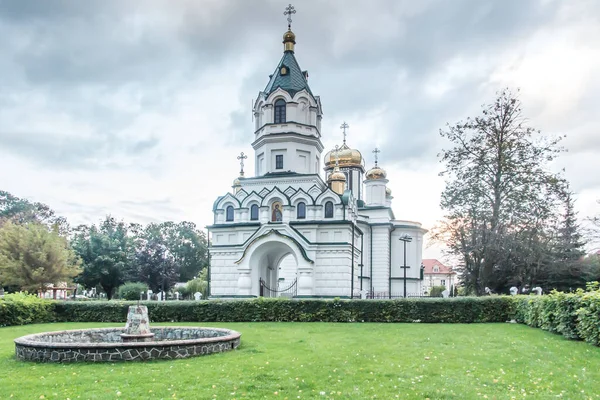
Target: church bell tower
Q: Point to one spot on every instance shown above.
(287, 136)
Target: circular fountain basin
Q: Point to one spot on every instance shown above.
(106, 344)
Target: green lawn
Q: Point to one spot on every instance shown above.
(324, 360)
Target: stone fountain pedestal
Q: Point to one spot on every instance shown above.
(137, 328)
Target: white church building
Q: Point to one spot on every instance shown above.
(289, 230)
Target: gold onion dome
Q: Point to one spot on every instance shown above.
(337, 175)
(347, 157)
(237, 182)
(289, 36)
(376, 173)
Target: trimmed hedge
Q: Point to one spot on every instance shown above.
(574, 315)
(21, 309)
(455, 310)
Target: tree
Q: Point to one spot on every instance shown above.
(173, 251)
(499, 195)
(22, 211)
(33, 257)
(107, 252)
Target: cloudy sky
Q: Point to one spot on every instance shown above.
(139, 108)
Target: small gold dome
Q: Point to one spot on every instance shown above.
(337, 176)
(289, 36)
(388, 191)
(347, 157)
(376, 173)
(237, 182)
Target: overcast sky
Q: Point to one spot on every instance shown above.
(139, 108)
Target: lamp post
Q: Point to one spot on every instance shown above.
(405, 239)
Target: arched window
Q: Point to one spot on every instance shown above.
(329, 209)
(280, 111)
(229, 213)
(254, 212)
(301, 211)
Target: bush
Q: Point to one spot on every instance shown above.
(436, 291)
(573, 315)
(23, 308)
(455, 310)
(131, 290)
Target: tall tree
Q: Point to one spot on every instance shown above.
(107, 251)
(22, 211)
(32, 257)
(499, 195)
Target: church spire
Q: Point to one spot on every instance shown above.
(289, 38)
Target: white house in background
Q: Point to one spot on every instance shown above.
(437, 274)
(288, 231)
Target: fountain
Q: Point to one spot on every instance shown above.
(136, 342)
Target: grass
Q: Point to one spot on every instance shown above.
(322, 360)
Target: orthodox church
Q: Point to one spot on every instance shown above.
(286, 231)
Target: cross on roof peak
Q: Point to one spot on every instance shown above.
(376, 152)
(344, 126)
(242, 157)
(289, 10)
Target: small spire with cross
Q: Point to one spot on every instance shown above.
(289, 10)
(242, 157)
(337, 157)
(343, 127)
(376, 152)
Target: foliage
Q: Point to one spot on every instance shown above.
(33, 257)
(499, 197)
(436, 291)
(131, 290)
(352, 361)
(168, 252)
(22, 308)
(456, 310)
(573, 315)
(107, 252)
(22, 211)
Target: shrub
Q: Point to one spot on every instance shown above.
(132, 290)
(463, 310)
(436, 291)
(588, 317)
(23, 308)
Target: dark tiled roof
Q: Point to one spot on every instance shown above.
(293, 82)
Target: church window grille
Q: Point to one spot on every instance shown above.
(329, 209)
(280, 111)
(279, 161)
(301, 211)
(229, 213)
(254, 213)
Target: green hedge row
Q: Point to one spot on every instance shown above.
(454, 310)
(21, 309)
(573, 315)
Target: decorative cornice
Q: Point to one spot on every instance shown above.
(276, 232)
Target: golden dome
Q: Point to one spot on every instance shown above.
(347, 157)
(388, 191)
(237, 182)
(376, 173)
(289, 36)
(337, 176)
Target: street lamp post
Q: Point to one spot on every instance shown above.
(405, 239)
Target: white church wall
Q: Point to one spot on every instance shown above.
(332, 272)
(224, 273)
(381, 258)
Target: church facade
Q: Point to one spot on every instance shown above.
(287, 231)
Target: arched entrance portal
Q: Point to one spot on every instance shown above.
(266, 263)
(276, 260)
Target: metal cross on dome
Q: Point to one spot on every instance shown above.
(376, 152)
(242, 157)
(344, 126)
(289, 10)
